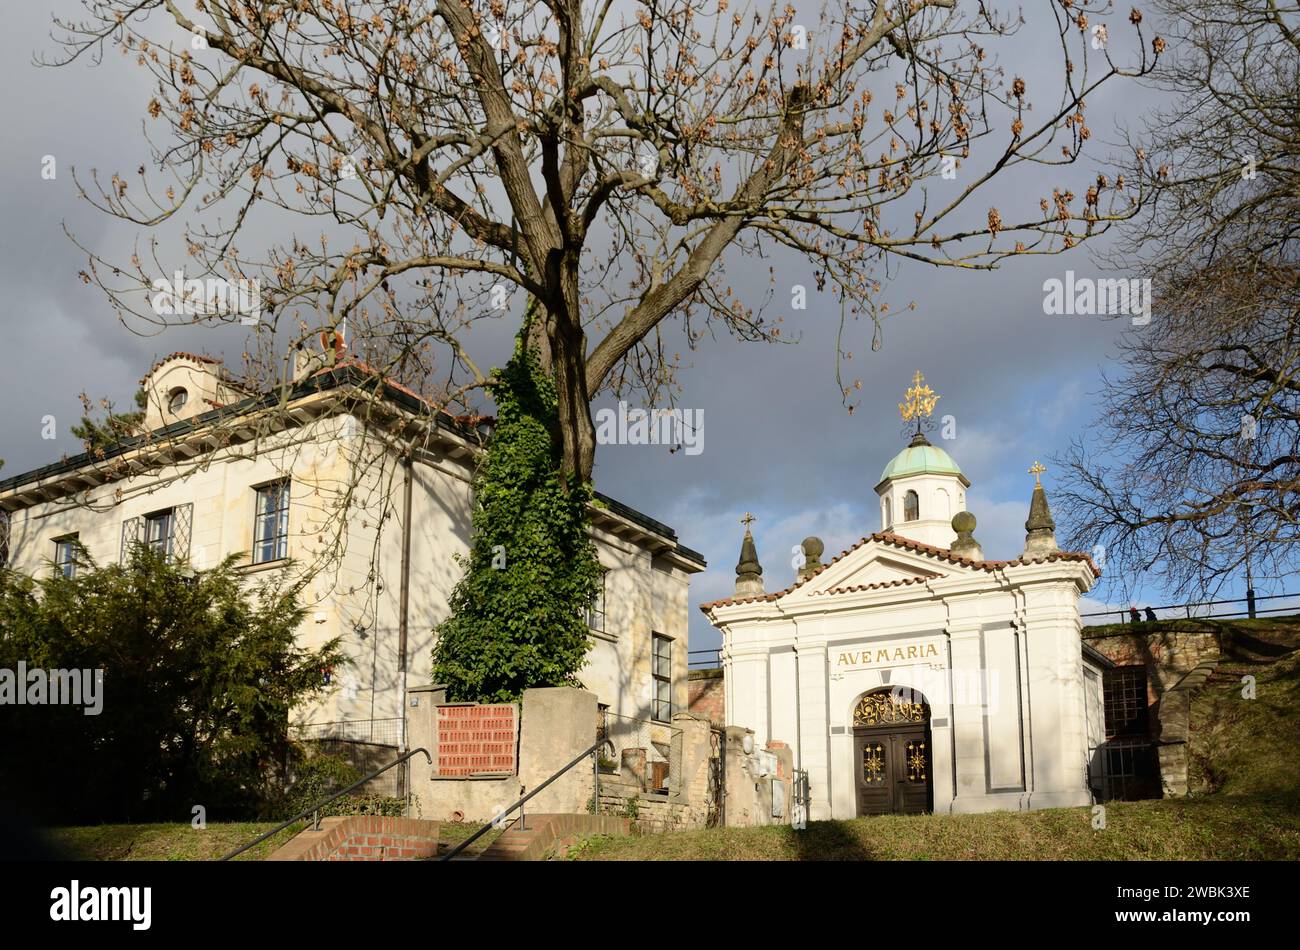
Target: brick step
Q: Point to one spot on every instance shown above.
(542, 834)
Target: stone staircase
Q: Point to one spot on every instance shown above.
(540, 836)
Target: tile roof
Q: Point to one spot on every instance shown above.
(178, 355)
(889, 537)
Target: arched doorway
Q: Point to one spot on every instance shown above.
(892, 751)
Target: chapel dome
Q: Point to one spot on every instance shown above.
(921, 459)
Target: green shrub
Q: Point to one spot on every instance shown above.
(199, 676)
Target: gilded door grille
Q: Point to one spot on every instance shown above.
(873, 763)
(884, 708)
(916, 761)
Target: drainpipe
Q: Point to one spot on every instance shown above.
(405, 595)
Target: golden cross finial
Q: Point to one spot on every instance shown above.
(918, 401)
(1035, 470)
(748, 520)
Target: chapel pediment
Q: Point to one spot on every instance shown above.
(882, 560)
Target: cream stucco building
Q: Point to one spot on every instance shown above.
(352, 480)
(911, 674)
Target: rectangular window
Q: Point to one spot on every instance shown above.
(166, 531)
(662, 670)
(271, 527)
(596, 612)
(160, 531)
(4, 539)
(65, 555)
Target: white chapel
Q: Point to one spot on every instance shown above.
(910, 674)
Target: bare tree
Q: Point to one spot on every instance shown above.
(1202, 425)
(605, 158)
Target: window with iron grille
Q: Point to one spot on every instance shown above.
(166, 531)
(662, 671)
(596, 612)
(4, 538)
(271, 527)
(1124, 691)
(65, 555)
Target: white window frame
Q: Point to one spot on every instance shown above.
(65, 555)
(278, 543)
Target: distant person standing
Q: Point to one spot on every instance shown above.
(1151, 614)
(1133, 615)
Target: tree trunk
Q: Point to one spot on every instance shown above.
(561, 346)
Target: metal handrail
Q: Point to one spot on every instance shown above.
(502, 814)
(1123, 612)
(314, 810)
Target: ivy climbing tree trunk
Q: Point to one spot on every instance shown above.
(516, 620)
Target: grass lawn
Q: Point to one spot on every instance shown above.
(166, 842)
(1186, 829)
(180, 842)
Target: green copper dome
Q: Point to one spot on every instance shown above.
(922, 459)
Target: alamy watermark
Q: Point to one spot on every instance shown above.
(209, 297)
(24, 687)
(76, 903)
(1087, 296)
(624, 426)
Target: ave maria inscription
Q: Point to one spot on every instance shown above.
(883, 655)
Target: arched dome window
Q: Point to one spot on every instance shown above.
(911, 507)
(888, 512)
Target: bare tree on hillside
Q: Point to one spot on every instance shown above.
(1202, 422)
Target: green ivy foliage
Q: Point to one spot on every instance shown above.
(518, 616)
(199, 676)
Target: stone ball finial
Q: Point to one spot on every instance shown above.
(812, 556)
(963, 522)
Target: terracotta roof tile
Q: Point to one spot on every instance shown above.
(370, 370)
(178, 355)
(888, 537)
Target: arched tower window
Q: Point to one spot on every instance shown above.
(888, 512)
(911, 507)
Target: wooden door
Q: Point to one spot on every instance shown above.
(893, 770)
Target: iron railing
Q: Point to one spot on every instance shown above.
(314, 810)
(1250, 602)
(708, 659)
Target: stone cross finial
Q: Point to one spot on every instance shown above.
(1035, 470)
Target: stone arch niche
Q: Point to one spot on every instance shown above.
(942, 505)
(892, 751)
